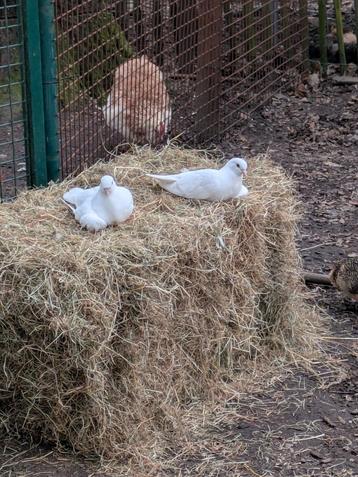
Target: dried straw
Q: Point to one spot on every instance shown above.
(104, 338)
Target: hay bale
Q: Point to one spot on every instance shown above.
(104, 337)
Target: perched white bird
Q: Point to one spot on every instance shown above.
(98, 207)
(208, 184)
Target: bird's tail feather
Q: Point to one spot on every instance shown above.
(167, 179)
(69, 206)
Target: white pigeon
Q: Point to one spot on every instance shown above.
(106, 204)
(208, 184)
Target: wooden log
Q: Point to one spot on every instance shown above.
(158, 32)
(250, 29)
(208, 74)
(345, 79)
(184, 19)
(316, 278)
(285, 25)
(230, 28)
(267, 36)
(274, 5)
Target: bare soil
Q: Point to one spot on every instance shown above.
(306, 422)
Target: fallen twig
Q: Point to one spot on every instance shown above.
(345, 79)
(317, 278)
(316, 246)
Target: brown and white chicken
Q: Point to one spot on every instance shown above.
(138, 105)
(344, 277)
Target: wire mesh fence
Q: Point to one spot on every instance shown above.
(140, 70)
(135, 71)
(13, 155)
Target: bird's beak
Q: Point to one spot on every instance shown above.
(244, 173)
(107, 190)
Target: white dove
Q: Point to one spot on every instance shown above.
(208, 184)
(106, 204)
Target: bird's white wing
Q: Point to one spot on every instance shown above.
(77, 196)
(243, 191)
(124, 205)
(88, 217)
(84, 208)
(126, 199)
(202, 184)
(72, 195)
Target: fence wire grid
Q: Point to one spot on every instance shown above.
(140, 71)
(13, 147)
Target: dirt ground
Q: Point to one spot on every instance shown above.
(306, 422)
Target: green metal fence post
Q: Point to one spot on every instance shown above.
(322, 16)
(339, 25)
(49, 81)
(34, 96)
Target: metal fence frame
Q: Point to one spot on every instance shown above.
(13, 119)
(38, 160)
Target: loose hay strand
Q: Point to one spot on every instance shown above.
(106, 337)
